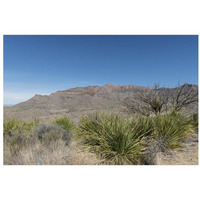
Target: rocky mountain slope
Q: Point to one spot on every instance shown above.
(76, 101)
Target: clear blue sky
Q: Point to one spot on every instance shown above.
(45, 64)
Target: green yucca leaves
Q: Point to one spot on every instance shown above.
(64, 122)
(194, 121)
(156, 106)
(171, 130)
(10, 126)
(111, 138)
(142, 125)
(114, 139)
(121, 141)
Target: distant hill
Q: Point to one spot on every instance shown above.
(8, 105)
(76, 101)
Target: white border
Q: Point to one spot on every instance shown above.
(98, 17)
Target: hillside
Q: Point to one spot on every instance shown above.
(76, 101)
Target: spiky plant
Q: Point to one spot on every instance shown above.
(13, 125)
(195, 123)
(111, 138)
(171, 130)
(156, 106)
(9, 126)
(63, 121)
(143, 123)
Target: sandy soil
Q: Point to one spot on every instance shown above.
(187, 155)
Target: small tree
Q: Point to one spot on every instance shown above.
(149, 101)
(183, 96)
(157, 100)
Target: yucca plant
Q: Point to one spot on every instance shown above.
(195, 123)
(142, 125)
(13, 125)
(156, 106)
(64, 121)
(9, 126)
(171, 130)
(111, 138)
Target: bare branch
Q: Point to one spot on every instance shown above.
(157, 100)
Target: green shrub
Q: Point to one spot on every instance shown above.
(14, 125)
(17, 134)
(111, 138)
(171, 130)
(195, 122)
(156, 106)
(142, 125)
(64, 122)
(52, 132)
(9, 126)
(17, 140)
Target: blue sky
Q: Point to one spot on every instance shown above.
(46, 64)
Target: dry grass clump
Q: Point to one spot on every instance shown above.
(47, 133)
(38, 144)
(17, 133)
(35, 153)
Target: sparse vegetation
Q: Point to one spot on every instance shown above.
(183, 96)
(47, 133)
(149, 101)
(157, 100)
(36, 153)
(111, 138)
(17, 133)
(159, 125)
(28, 142)
(195, 122)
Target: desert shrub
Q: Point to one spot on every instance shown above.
(52, 132)
(35, 153)
(157, 100)
(64, 122)
(14, 125)
(170, 130)
(111, 138)
(9, 126)
(17, 140)
(142, 125)
(195, 123)
(17, 133)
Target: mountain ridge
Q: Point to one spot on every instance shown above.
(75, 101)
